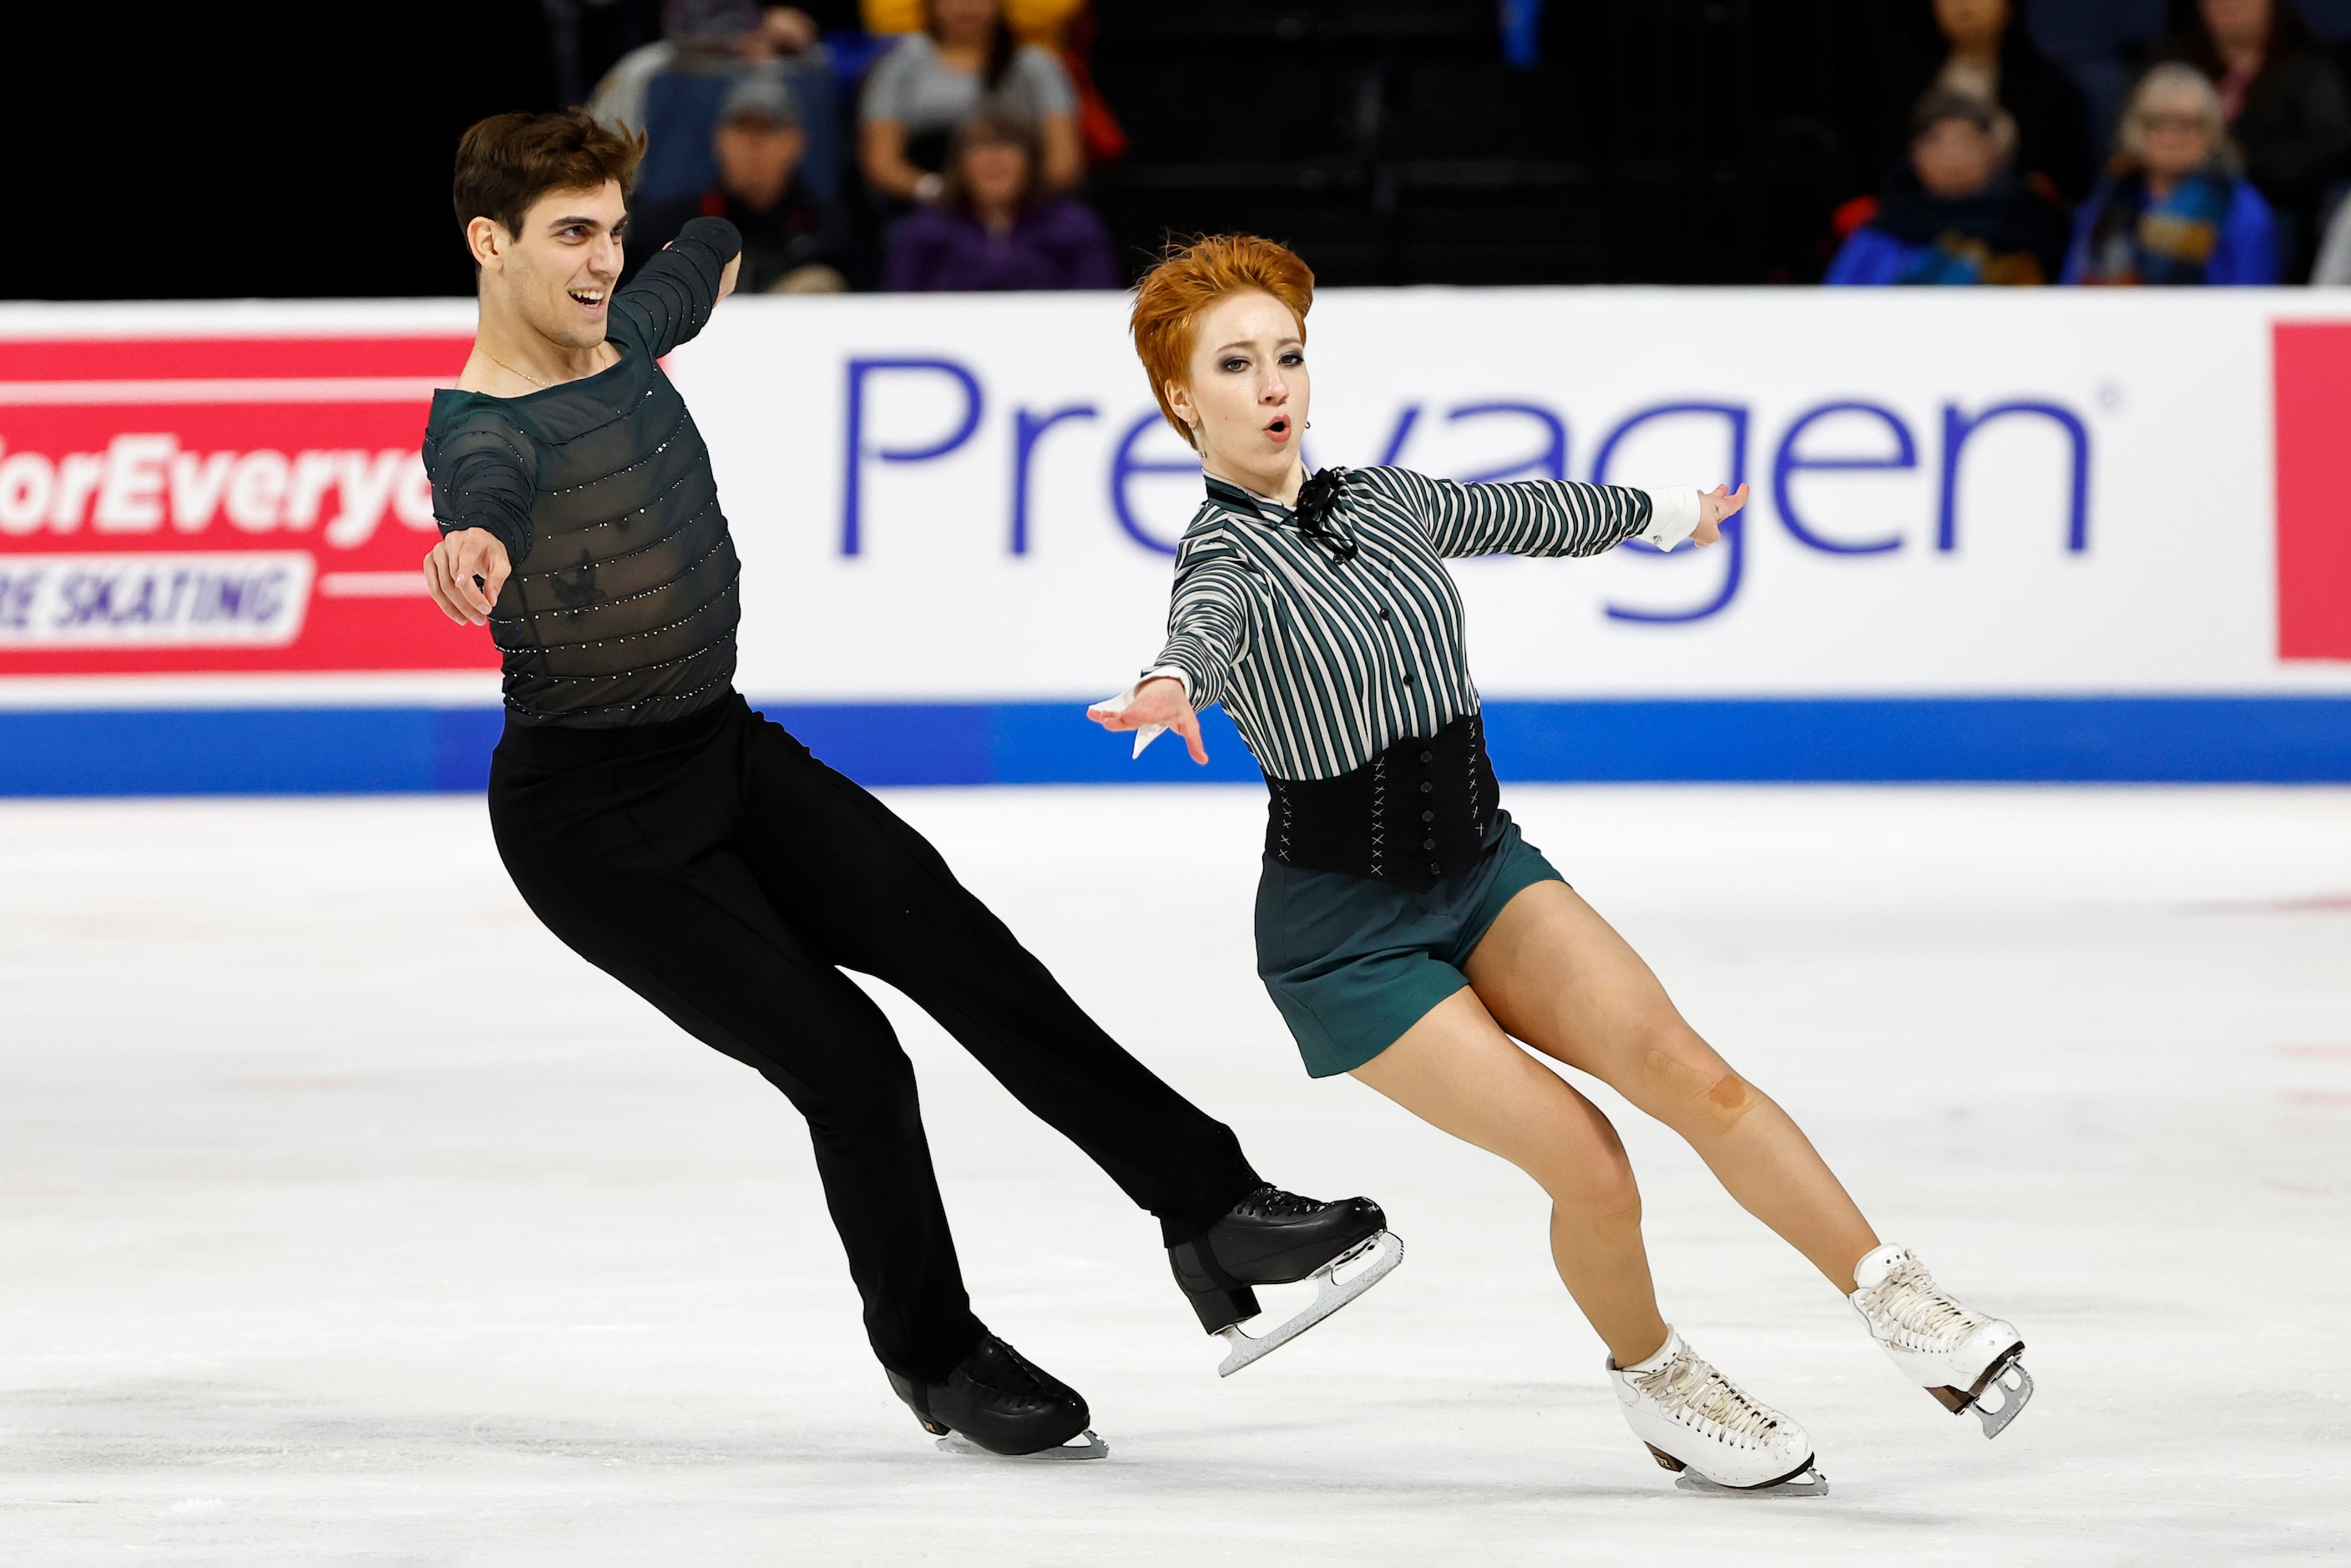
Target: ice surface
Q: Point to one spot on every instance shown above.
(321, 1243)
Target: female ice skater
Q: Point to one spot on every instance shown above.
(695, 851)
(1406, 930)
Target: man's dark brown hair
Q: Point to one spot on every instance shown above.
(509, 160)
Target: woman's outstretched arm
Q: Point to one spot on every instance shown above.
(1555, 518)
(1208, 625)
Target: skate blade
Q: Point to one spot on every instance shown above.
(2008, 1386)
(1087, 1445)
(1806, 1482)
(1330, 1293)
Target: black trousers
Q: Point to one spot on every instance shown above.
(719, 871)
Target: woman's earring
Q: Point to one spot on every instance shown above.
(1308, 426)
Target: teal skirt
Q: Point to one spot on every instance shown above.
(1353, 963)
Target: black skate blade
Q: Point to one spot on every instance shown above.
(1385, 1250)
(1805, 1480)
(1086, 1445)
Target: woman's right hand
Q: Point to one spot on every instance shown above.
(1157, 703)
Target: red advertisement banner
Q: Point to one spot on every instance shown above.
(2313, 371)
(220, 505)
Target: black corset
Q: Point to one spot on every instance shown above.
(1415, 814)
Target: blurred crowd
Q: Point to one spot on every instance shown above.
(900, 144)
(946, 144)
(2226, 163)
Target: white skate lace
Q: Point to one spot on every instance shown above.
(1910, 1306)
(1689, 1390)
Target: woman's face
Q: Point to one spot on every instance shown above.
(2175, 136)
(964, 22)
(2238, 23)
(1972, 24)
(1245, 393)
(995, 173)
(1955, 158)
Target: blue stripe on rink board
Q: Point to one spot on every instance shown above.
(2256, 740)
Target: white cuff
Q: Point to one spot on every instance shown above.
(1674, 514)
(1119, 703)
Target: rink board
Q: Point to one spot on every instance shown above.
(2044, 537)
(2132, 740)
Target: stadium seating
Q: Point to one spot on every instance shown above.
(681, 110)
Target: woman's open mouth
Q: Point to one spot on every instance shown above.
(1278, 428)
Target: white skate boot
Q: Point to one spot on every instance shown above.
(1720, 1438)
(1966, 1360)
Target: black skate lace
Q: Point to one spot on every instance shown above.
(1007, 1372)
(1269, 1202)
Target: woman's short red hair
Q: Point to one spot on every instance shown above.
(1189, 278)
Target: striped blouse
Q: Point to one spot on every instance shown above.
(1324, 662)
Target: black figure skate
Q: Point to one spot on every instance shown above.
(1275, 1237)
(1000, 1401)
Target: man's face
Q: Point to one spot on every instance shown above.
(558, 273)
(1955, 158)
(756, 159)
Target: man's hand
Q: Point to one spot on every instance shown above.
(1712, 508)
(464, 573)
(1159, 701)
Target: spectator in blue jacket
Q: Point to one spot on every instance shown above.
(2176, 208)
(1961, 217)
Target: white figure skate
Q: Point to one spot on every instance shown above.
(1966, 1360)
(1717, 1436)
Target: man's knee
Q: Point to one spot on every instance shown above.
(876, 1103)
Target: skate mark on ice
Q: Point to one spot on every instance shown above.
(2315, 903)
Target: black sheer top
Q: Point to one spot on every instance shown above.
(622, 607)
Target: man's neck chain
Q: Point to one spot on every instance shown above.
(512, 372)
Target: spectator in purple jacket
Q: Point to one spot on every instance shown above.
(993, 229)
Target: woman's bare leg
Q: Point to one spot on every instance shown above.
(1554, 974)
(1457, 1070)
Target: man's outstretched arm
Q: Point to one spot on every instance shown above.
(484, 481)
(673, 297)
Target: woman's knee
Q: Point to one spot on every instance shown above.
(1587, 1172)
(1684, 1084)
(1603, 1197)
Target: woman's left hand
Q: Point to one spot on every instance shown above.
(1712, 507)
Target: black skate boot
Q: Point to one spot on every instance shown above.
(1000, 1402)
(1276, 1238)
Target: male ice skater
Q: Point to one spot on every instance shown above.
(698, 853)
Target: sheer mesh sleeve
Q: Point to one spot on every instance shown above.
(673, 297)
(485, 475)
